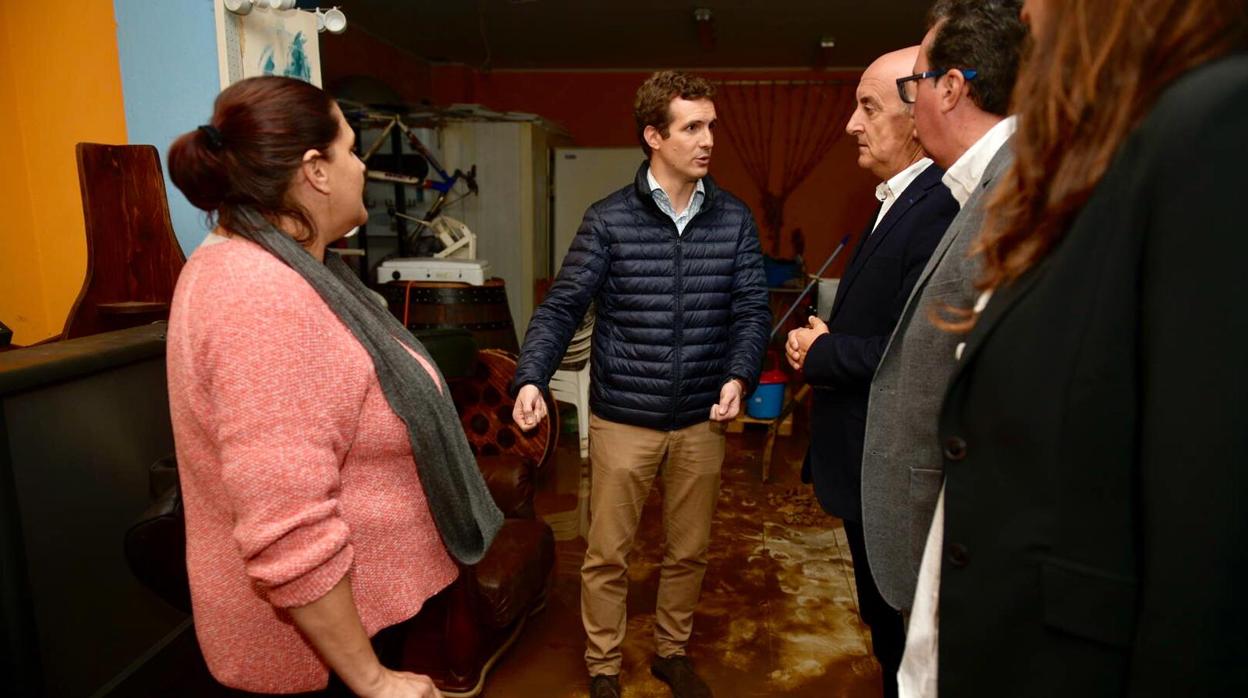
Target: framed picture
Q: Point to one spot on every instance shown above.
(267, 42)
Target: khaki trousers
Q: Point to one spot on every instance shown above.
(625, 460)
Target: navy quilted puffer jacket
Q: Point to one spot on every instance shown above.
(677, 315)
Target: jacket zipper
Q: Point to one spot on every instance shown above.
(680, 322)
(680, 300)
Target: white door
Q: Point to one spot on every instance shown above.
(582, 177)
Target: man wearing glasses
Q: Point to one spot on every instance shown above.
(960, 90)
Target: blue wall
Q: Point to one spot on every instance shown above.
(169, 78)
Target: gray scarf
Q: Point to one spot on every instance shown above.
(462, 507)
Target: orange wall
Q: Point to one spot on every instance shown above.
(22, 305)
(60, 83)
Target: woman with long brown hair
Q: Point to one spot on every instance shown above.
(1095, 434)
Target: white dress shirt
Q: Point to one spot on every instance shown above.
(887, 192)
(665, 202)
(963, 177)
(917, 676)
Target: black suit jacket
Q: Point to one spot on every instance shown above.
(869, 300)
(1096, 434)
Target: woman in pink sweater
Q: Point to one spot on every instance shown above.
(326, 482)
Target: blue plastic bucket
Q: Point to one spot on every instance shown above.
(768, 397)
(766, 402)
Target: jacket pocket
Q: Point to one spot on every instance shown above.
(924, 491)
(1087, 602)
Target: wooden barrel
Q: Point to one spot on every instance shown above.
(485, 409)
(482, 310)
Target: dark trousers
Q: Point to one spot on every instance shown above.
(888, 632)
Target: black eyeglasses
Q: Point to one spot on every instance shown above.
(908, 87)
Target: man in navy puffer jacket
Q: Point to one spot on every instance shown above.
(673, 265)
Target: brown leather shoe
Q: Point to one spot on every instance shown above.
(677, 672)
(604, 686)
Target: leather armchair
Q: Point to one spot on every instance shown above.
(463, 631)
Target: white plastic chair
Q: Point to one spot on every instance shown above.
(571, 386)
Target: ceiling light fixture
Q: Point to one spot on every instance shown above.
(705, 22)
(823, 55)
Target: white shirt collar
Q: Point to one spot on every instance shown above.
(963, 176)
(896, 184)
(654, 184)
(887, 192)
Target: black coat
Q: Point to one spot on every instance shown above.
(1096, 434)
(677, 315)
(869, 300)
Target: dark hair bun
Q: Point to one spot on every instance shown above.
(245, 157)
(197, 168)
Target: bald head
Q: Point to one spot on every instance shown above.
(890, 66)
(882, 123)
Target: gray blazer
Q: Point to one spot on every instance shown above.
(902, 466)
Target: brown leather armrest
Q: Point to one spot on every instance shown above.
(510, 481)
(515, 571)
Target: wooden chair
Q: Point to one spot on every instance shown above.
(133, 257)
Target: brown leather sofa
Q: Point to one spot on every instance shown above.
(460, 633)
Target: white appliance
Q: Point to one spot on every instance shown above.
(469, 271)
(582, 177)
(511, 214)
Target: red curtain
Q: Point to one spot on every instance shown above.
(782, 129)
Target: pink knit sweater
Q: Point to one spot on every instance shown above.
(294, 470)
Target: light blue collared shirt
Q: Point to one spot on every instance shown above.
(665, 203)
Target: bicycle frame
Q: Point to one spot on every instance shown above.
(443, 184)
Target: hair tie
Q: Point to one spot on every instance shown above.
(215, 141)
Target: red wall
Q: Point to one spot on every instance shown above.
(595, 107)
(357, 53)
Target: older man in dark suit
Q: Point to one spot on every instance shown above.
(839, 357)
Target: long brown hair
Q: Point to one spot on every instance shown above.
(248, 152)
(1093, 73)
